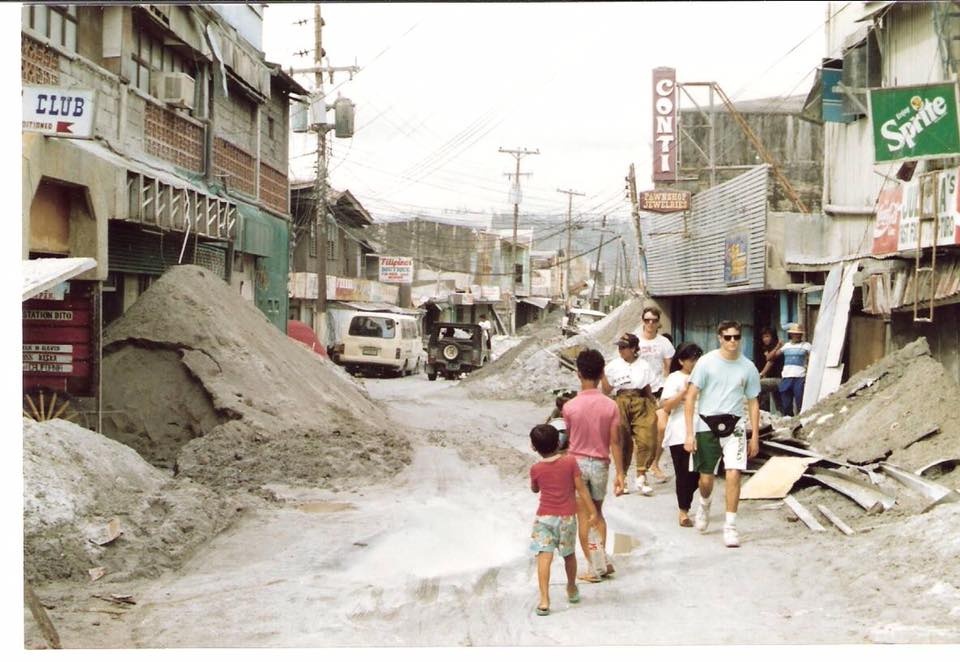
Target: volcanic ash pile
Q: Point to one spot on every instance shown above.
(198, 380)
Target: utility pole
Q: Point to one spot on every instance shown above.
(616, 276)
(596, 269)
(320, 183)
(631, 179)
(569, 194)
(517, 155)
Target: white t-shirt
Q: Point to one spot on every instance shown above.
(795, 355)
(623, 375)
(675, 432)
(654, 352)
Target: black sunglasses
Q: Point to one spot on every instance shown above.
(732, 336)
(651, 319)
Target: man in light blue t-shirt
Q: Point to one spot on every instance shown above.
(718, 386)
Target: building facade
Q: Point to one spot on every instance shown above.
(185, 161)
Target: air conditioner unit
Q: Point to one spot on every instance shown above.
(175, 89)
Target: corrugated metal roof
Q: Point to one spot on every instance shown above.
(693, 263)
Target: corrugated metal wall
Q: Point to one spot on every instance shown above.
(694, 263)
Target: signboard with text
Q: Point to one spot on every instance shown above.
(897, 225)
(736, 247)
(664, 201)
(917, 122)
(58, 111)
(395, 269)
(664, 124)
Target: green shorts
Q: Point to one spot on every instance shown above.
(732, 449)
(554, 532)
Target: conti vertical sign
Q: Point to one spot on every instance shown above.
(664, 124)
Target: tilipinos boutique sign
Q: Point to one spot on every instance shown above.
(897, 226)
(916, 122)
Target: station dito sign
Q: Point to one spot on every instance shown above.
(665, 201)
(58, 111)
(917, 122)
(394, 269)
(59, 341)
(897, 225)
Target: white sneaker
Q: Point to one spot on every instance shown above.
(701, 519)
(645, 489)
(730, 536)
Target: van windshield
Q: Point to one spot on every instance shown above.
(373, 327)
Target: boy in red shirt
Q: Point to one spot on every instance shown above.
(557, 479)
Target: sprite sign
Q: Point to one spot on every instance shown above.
(911, 123)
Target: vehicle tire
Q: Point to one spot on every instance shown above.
(432, 375)
(404, 370)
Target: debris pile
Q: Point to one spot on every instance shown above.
(197, 380)
(92, 507)
(888, 441)
(535, 367)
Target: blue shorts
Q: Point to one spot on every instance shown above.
(594, 472)
(554, 532)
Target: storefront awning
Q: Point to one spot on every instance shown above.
(43, 273)
(539, 302)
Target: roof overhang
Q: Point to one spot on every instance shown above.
(41, 274)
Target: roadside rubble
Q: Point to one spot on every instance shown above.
(93, 508)
(869, 441)
(199, 382)
(535, 367)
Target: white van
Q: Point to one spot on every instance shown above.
(382, 342)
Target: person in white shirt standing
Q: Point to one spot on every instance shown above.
(718, 386)
(629, 378)
(656, 351)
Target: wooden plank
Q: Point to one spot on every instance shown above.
(775, 477)
(803, 514)
(40, 616)
(837, 522)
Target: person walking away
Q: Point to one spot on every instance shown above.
(628, 378)
(671, 401)
(656, 350)
(556, 417)
(593, 425)
(770, 365)
(796, 355)
(557, 479)
(719, 383)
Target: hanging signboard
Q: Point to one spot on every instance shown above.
(897, 226)
(664, 124)
(663, 200)
(395, 269)
(57, 111)
(736, 247)
(918, 122)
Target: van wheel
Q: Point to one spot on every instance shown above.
(432, 376)
(404, 370)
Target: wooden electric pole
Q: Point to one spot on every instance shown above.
(635, 213)
(569, 194)
(517, 155)
(596, 268)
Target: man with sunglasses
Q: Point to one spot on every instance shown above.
(657, 351)
(718, 386)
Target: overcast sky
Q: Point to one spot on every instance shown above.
(443, 86)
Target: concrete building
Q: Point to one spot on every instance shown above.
(185, 160)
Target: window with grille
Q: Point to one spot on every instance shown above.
(58, 23)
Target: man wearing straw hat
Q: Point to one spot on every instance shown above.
(796, 354)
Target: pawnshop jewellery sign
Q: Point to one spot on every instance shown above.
(916, 122)
(664, 200)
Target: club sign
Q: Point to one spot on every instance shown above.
(56, 111)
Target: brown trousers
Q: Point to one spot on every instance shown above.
(638, 428)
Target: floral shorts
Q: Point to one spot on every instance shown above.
(554, 532)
